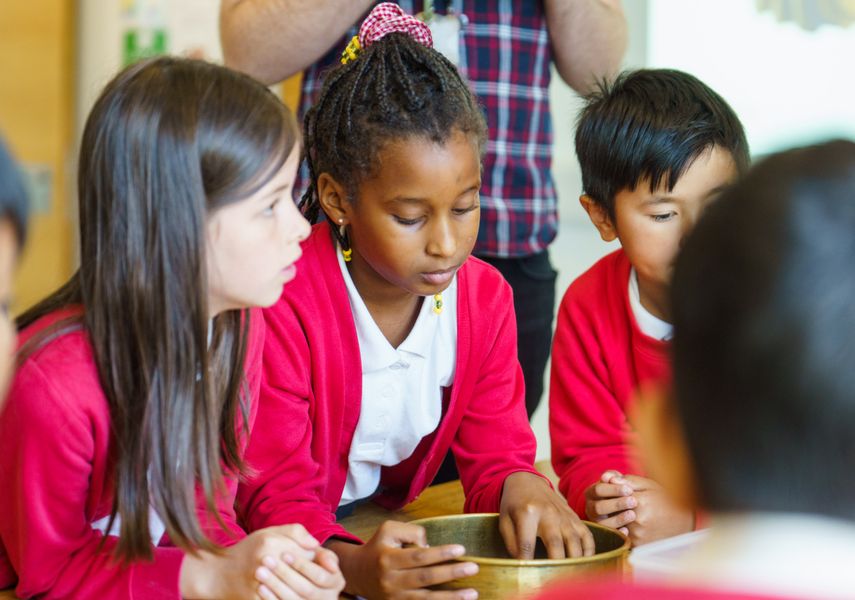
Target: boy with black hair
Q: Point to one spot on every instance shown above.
(758, 430)
(655, 147)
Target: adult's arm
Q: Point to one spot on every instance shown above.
(588, 38)
(274, 39)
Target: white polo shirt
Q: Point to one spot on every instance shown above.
(649, 324)
(401, 387)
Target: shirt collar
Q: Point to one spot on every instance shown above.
(375, 350)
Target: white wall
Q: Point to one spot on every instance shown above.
(789, 86)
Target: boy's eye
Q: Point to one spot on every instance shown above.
(662, 217)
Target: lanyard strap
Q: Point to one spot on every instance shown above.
(428, 12)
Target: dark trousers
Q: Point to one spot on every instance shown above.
(532, 280)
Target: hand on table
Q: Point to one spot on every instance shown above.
(397, 563)
(637, 507)
(276, 563)
(531, 509)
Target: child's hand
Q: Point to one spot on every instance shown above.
(610, 501)
(396, 562)
(656, 515)
(272, 564)
(297, 576)
(530, 509)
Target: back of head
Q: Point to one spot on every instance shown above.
(648, 126)
(764, 323)
(13, 196)
(396, 88)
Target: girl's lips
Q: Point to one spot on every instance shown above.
(439, 277)
(289, 272)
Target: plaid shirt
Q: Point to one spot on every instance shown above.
(505, 54)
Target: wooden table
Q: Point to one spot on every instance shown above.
(442, 499)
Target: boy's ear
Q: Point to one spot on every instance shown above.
(663, 445)
(333, 199)
(599, 217)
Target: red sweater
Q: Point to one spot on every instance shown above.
(599, 357)
(312, 391)
(55, 479)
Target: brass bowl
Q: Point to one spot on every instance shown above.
(499, 575)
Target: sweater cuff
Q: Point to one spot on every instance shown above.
(160, 578)
(336, 531)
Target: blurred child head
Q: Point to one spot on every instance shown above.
(393, 147)
(13, 228)
(655, 146)
(764, 323)
(186, 215)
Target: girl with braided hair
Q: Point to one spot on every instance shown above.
(394, 344)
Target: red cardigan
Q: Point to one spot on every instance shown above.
(55, 479)
(599, 357)
(312, 391)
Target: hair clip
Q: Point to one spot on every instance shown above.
(352, 51)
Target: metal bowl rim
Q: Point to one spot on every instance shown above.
(536, 562)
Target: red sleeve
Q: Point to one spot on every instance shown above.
(587, 424)
(494, 438)
(287, 485)
(46, 451)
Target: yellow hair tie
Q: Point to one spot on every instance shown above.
(352, 51)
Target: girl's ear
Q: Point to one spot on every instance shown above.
(333, 199)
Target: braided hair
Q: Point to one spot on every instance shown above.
(397, 88)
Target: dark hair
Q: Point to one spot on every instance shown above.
(764, 323)
(168, 141)
(395, 89)
(650, 125)
(14, 204)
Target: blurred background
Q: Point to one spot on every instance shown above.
(784, 65)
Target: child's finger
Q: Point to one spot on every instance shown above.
(640, 484)
(607, 476)
(299, 534)
(272, 580)
(327, 559)
(397, 534)
(612, 490)
(525, 525)
(265, 593)
(619, 520)
(582, 542)
(312, 572)
(411, 558)
(555, 537)
(601, 508)
(411, 579)
(286, 577)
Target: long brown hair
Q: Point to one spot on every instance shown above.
(168, 141)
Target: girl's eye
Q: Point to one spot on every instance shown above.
(463, 211)
(661, 218)
(404, 221)
(267, 212)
